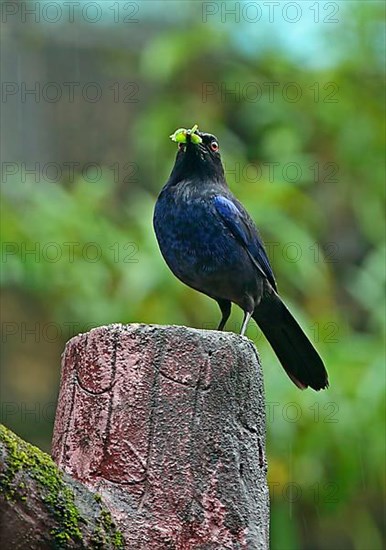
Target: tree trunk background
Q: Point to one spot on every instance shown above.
(168, 425)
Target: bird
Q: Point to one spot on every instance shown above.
(210, 242)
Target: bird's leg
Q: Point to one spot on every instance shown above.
(225, 307)
(247, 316)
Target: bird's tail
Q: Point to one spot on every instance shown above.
(294, 350)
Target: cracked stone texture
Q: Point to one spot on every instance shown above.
(167, 423)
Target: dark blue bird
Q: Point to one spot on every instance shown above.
(210, 243)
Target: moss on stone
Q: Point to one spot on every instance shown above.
(58, 497)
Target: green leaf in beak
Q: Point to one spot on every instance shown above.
(180, 135)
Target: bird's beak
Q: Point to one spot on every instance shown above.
(182, 135)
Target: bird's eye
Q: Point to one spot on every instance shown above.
(181, 146)
(214, 146)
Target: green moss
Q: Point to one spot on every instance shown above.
(118, 540)
(59, 498)
(106, 533)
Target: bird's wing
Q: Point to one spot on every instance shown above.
(243, 229)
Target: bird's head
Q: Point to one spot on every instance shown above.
(198, 154)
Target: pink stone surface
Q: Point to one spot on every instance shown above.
(168, 425)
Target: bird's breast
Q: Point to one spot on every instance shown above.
(193, 239)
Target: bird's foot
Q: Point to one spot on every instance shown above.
(247, 316)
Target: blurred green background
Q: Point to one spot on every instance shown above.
(295, 94)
